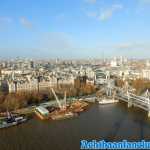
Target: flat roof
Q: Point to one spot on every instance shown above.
(42, 110)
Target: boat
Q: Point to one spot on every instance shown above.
(42, 112)
(11, 121)
(60, 116)
(107, 101)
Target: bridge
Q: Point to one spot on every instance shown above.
(127, 95)
(142, 102)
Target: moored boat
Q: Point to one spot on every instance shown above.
(107, 101)
(42, 112)
(11, 120)
(60, 116)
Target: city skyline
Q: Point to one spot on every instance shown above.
(74, 29)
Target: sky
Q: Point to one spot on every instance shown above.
(74, 28)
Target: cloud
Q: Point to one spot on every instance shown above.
(26, 23)
(62, 45)
(5, 20)
(91, 14)
(105, 14)
(144, 1)
(91, 1)
(133, 49)
(54, 44)
(108, 13)
(127, 49)
(133, 46)
(126, 46)
(50, 40)
(44, 45)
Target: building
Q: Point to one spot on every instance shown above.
(146, 74)
(113, 63)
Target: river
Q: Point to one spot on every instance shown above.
(110, 122)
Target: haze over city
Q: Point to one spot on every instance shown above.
(74, 29)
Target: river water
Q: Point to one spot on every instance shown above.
(110, 122)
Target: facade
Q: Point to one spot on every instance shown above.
(34, 85)
(113, 63)
(146, 74)
(27, 75)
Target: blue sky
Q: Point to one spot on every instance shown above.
(74, 28)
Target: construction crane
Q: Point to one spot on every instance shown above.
(58, 102)
(62, 107)
(65, 103)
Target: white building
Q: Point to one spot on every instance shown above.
(113, 63)
(90, 73)
(146, 74)
(147, 63)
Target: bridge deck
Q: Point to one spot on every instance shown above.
(138, 101)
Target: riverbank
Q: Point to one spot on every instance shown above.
(30, 110)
